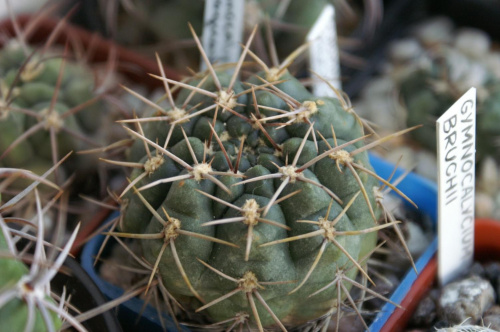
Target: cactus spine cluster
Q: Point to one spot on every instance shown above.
(26, 300)
(14, 311)
(254, 200)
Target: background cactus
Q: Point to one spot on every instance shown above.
(158, 26)
(41, 288)
(253, 200)
(425, 72)
(26, 300)
(15, 311)
(447, 66)
(51, 104)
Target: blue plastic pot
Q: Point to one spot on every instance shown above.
(421, 191)
(424, 193)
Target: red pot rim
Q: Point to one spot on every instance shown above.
(486, 243)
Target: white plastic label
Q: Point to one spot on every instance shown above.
(456, 131)
(324, 53)
(222, 30)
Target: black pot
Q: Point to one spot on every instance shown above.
(480, 14)
(83, 293)
(85, 296)
(399, 15)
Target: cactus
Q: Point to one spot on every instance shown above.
(154, 24)
(26, 302)
(30, 263)
(254, 200)
(20, 296)
(445, 70)
(15, 311)
(49, 106)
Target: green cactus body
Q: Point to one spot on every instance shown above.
(275, 232)
(14, 314)
(34, 105)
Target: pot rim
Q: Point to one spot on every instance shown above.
(82, 287)
(486, 235)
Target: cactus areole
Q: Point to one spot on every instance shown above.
(263, 204)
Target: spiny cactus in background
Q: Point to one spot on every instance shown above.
(440, 65)
(292, 20)
(14, 284)
(26, 302)
(29, 264)
(158, 25)
(50, 105)
(254, 200)
(466, 328)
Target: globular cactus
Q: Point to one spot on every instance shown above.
(448, 64)
(254, 200)
(49, 106)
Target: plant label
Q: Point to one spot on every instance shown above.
(456, 142)
(324, 53)
(222, 30)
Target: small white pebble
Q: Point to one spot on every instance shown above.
(404, 50)
(435, 31)
(466, 328)
(473, 42)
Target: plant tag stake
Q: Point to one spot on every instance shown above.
(222, 30)
(324, 53)
(456, 132)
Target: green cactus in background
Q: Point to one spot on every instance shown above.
(49, 106)
(444, 70)
(158, 25)
(425, 104)
(253, 200)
